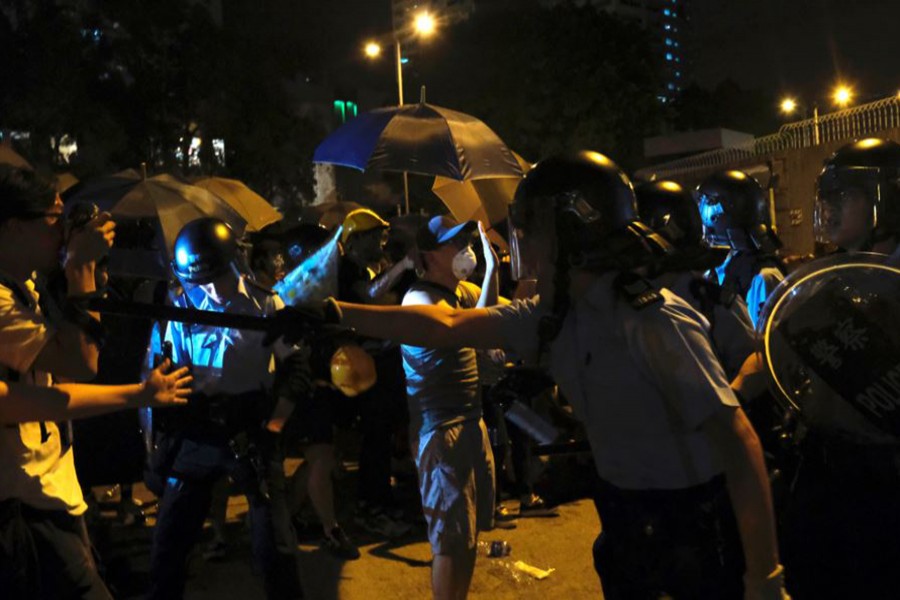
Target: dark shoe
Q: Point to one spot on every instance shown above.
(534, 506)
(337, 542)
(381, 524)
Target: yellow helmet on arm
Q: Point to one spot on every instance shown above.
(352, 370)
(361, 220)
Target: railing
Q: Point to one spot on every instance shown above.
(866, 119)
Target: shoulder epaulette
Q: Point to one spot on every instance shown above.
(637, 291)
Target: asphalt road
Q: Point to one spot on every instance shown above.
(391, 570)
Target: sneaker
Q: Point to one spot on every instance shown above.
(535, 506)
(215, 551)
(379, 523)
(504, 518)
(337, 542)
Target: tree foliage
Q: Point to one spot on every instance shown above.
(550, 79)
(137, 81)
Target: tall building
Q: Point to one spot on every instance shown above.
(668, 22)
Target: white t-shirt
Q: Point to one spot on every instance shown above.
(37, 465)
(641, 380)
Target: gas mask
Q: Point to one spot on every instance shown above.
(464, 263)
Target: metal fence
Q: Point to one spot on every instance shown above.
(859, 121)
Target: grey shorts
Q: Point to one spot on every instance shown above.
(456, 480)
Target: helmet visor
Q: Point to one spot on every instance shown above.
(522, 265)
(846, 207)
(712, 215)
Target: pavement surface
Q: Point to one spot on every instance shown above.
(397, 569)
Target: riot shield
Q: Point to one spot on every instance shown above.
(831, 335)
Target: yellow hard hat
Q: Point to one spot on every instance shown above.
(352, 370)
(360, 220)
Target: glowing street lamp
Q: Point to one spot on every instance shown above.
(842, 96)
(788, 106)
(372, 50)
(424, 25)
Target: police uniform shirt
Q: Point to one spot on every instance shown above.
(37, 465)
(731, 330)
(761, 286)
(224, 360)
(641, 380)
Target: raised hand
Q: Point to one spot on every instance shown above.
(162, 388)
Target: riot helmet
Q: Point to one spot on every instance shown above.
(204, 249)
(858, 195)
(669, 210)
(591, 203)
(735, 212)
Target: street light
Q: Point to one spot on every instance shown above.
(789, 106)
(424, 25)
(842, 95)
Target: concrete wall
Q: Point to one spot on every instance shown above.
(794, 173)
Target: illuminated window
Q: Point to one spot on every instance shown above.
(667, 27)
(668, 56)
(667, 12)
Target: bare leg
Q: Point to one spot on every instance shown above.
(451, 575)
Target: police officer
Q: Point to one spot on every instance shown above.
(669, 209)
(858, 197)
(223, 429)
(673, 448)
(841, 524)
(736, 214)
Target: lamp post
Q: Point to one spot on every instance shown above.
(424, 25)
(789, 106)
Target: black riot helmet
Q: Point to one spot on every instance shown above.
(859, 189)
(591, 201)
(302, 241)
(670, 210)
(204, 249)
(735, 212)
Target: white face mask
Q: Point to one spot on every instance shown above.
(464, 263)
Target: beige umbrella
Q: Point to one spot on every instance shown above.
(248, 204)
(8, 156)
(485, 200)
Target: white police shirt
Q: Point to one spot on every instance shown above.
(732, 332)
(642, 381)
(224, 360)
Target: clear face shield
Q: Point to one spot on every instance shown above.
(846, 208)
(522, 263)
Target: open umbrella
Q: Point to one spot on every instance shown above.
(422, 139)
(252, 207)
(485, 200)
(8, 156)
(129, 195)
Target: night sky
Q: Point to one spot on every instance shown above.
(796, 46)
(805, 45)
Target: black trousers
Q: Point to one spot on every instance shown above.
(185, 504)
(46, 554)
(679, 543)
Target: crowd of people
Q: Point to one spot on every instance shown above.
(637, 305)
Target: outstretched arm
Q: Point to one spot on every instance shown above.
(428, 326)
(20, 403)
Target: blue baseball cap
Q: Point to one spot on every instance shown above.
(442, 229)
